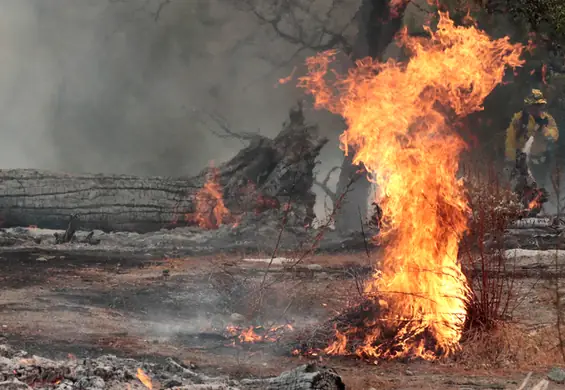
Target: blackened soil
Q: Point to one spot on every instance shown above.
(20, 269)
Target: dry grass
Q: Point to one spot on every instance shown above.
(509, 346)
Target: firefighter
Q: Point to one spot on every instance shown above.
(533, 121)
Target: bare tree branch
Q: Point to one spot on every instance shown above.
(320, 38)
(224, 126)
(160, 8)
(324, 185)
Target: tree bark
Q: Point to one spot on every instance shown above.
(279, 170)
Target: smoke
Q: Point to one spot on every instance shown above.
(126, 86)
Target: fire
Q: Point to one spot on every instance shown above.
(338, 346)
(398, 117)
(144, 378)
(536, 201)
(211, 211)
(249, 335)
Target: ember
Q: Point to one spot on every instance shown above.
(144, 378)
(535, 203)
(397, 117)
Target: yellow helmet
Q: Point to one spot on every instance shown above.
(534, 98)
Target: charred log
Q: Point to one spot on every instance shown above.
(22, 371)
(266, 174)
(304, 377)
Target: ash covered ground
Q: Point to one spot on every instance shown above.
(68, 303)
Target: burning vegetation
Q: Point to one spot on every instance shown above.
(211, 212)
(438, 229)
(257, 334)
(401, 119)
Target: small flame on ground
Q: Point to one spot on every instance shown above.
(338, 347)
(144, 378)
(211, 212)
(249, 335)
(398, 118)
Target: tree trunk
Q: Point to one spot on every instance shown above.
(377, 28)
(265, 174)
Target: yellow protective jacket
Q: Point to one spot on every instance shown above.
(519, 132)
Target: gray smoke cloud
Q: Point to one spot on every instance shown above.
(127, 86)
(112, 86)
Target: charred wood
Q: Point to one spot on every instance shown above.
(265, 174)
(304, 377)
(22, 371)
(69, 233)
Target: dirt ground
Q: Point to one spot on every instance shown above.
(60, 304)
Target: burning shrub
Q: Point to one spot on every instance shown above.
(398, 127)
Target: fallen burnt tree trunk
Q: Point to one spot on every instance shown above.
(266, 174)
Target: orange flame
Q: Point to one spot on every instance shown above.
(338, 346)
(535, 203)
(249, 335)
(211, 211)
(144, 378)
(397, 116)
